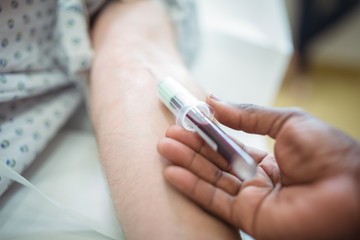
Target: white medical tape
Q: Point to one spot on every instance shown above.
(93, 224)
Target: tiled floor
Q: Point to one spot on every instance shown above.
(330, 94)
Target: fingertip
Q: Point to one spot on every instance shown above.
(179, 177)
(169, 171)
(218, 103)
(224, 111)
(174, 172)
(171, 175)
(213, 102)
(173, 131)
(161, 145)
(212, 99)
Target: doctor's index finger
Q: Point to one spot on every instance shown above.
(252, 118)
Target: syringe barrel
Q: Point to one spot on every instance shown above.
(180, 101)
(197, 116)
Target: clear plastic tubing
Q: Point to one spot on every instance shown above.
(197, 116)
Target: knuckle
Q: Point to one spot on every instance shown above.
(294, 115)
(297, 111)
(217, 175)
(247, 106)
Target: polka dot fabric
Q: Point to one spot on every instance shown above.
(44, 45)
(27, 125)
(45, 54)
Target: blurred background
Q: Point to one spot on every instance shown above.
(324, 73)
(301, 53)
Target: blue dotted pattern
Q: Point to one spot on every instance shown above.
(44, 51)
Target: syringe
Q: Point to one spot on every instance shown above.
(196, 116)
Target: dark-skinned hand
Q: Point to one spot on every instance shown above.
(309, 188)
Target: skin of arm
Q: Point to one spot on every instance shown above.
(129, 120)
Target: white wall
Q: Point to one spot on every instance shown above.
(245, 50)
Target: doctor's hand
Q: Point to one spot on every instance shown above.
(309, 189)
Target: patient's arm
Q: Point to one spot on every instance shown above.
(129, 121)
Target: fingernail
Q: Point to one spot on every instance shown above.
(219, 100)
(214, 97)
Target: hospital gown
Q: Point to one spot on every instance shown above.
(45, 56)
